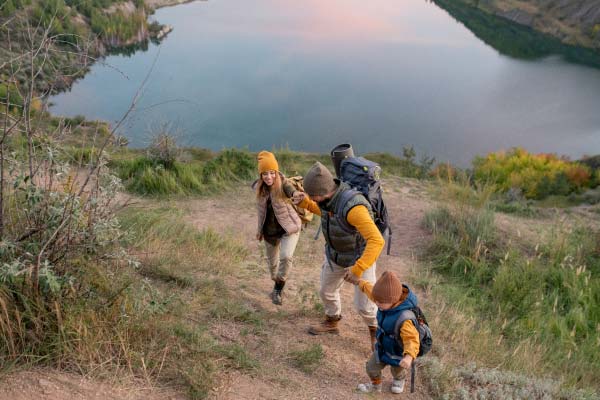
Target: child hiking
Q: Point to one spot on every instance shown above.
(397, 346)
(347, 252)
(278, 222)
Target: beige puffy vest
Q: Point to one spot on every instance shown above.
(284, 212)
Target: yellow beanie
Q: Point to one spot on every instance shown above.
(267, 162)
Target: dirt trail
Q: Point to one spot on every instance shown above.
(342, 366)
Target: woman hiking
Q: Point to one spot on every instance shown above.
(278, 222)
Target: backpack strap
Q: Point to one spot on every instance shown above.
(345, 197)
(405, 316)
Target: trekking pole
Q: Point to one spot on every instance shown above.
(413, 368)
(318, 232)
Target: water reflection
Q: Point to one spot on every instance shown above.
(381, 74)
(516, 40)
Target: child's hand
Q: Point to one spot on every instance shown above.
(297, 197)
(406, 362)
(351, 278)
(259, 236)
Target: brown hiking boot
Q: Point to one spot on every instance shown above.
(373, 336)
(329, 325)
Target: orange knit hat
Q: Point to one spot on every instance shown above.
(267, 162)
(387, 289)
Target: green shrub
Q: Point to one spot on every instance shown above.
(145, 177)
(230, 167)
(545, 298)
(538, 176)
(117, 28)
(163, 150)
(406, 166)
(8, 8)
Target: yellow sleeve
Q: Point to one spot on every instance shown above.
(410, 339)
(310, 205)
(360, 218)
(367, 288)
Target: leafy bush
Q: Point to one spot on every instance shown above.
(10, 94)
(163, 149)
(54, 225)
(592, 162)
(538, 176)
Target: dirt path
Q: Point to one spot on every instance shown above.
(41, 384)
(342, 367)
(283, 328)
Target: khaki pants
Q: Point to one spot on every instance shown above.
(374, 368)
(280, 256)
(332, 278)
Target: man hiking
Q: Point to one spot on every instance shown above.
(345, 252)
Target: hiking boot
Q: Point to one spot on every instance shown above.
(373, 336)
(329, 325)
(397, 386)
(276, 297)
(369, 387)
(276, 294)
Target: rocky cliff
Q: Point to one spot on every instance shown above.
(575, 22)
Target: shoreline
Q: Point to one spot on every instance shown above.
(129, 47)
(156, 4)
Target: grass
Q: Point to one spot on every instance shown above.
(308, 359)
(152, 321)
(145, 177)
(201, 172)
(535, 311)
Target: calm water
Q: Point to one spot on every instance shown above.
(380, 74)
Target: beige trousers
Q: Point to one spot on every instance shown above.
(332, 278)
(280, 256)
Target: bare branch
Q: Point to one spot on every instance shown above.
(132, 106)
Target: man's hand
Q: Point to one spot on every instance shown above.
(297, 197)
(406, 361)
(259, 236)
(350, 277)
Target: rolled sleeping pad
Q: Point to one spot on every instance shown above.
(338, 154)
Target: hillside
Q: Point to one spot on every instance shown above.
(575, 22)
(70, 35)
(252, 349)
(135, 273)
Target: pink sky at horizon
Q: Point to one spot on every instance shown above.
(318, 22)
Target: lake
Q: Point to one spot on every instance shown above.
(381, 75)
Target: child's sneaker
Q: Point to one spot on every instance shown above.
(369, 387)
(397, 386)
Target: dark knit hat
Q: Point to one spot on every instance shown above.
(319, 181)
(387, 289)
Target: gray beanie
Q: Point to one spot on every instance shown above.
(319, 181)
